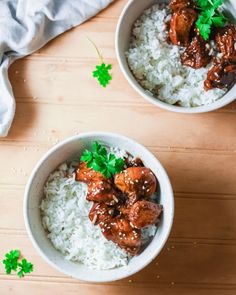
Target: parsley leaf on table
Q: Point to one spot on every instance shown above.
(102, 71)
(25, 267)
(209, 16)
(11, 263)
(102, 74)
(99, 160)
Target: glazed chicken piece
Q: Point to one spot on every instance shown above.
(119, 231)
(181, 24)
(196, 54)
(144, 213)
(100, 213)
(225, 40)
(176, 5)
(136, 182)
(221, 75)
(85, 174)
(101, 191)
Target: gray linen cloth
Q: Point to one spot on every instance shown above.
(27, 25)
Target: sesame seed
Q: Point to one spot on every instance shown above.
(94, 219)
(115, 199)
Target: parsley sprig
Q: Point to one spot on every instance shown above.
(24, 267)
(209, 16)
(102, 71)
(100, 160)
(11, 263)
(102, 74)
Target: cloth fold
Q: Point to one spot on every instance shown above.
(26, 26)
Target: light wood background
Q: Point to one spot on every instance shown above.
(56, 98)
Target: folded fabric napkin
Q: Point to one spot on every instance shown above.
(27, 25)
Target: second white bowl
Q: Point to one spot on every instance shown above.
(130, 14)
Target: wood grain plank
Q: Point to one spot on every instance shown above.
(179, 262)
(147, 126)
(38, 288)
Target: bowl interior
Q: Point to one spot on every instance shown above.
(34, 194)
(131, 12)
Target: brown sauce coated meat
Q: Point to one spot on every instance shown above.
(196, 54)
(181, 25)
(113, 211)
(144, 213)
(136, 182)
(221, 75)
(225, 40)
(85, 174)
(101, 191)
(119, 231)
(100, 213)
(176, 5)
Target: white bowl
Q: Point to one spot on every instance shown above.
(66, 150)
(131, 12)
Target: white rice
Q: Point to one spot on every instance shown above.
(157, 64)
(65, 217)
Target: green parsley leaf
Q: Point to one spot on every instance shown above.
(87, 156)
(204, 29)
(102, 71)
(217, 3)
(218, 21)
(11, 264)
(203, 3)
(24, 267)
(209, 16)
(99, 160)
(11, 260)
(102, 74)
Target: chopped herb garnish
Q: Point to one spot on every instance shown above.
(100, 160)
(209, 16)
(11, 263)
(24, 267)
(102, 72)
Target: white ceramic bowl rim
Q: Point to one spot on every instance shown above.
(80, 275)
(229, 97)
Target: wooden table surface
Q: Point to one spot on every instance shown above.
(56, 98)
